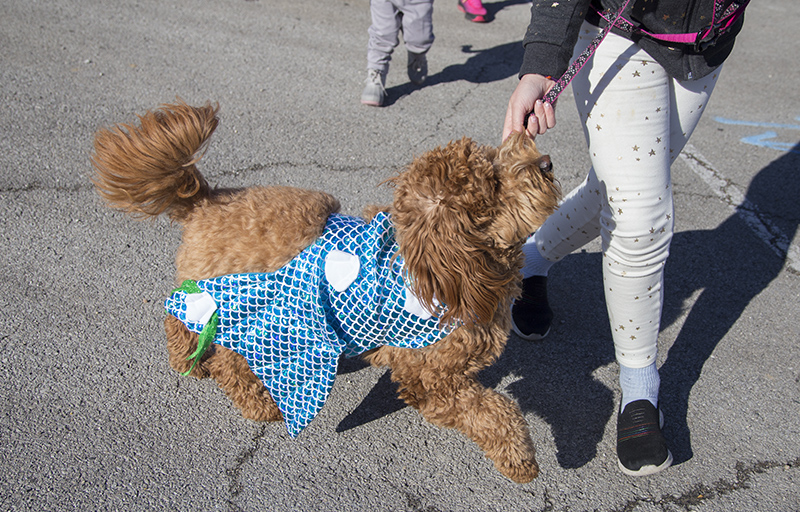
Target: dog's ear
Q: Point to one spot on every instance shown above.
(528, 190)
(443, 206)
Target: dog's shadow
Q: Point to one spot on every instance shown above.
(726, 267)
(484, 66)
(552, 378)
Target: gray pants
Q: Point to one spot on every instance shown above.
(389, 17)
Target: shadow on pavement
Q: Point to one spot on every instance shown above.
(484, 66)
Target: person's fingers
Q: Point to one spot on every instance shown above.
(515, 117)
(526, 112)
(550, 115)
(509, 125)
(545, 116)
(541, 120)
(532, 128)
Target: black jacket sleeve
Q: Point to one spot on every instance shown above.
(551, 36)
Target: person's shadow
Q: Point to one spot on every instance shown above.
(554, 379)
(731, 265)
(484, 66)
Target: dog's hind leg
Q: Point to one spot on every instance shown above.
(234, 376)
(228, 368)
(181, 344)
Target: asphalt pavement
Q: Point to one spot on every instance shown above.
(92, 417)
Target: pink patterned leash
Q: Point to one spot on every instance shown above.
(576, 65)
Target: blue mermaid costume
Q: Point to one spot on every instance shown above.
(343, 295)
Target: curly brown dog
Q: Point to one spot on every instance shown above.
(461, 214)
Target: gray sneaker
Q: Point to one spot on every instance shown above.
(417, 67)
(374, 92)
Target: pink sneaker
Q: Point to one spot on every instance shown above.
(473, 10)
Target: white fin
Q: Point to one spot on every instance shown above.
(341, 269)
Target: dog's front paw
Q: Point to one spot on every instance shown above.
(521, 472)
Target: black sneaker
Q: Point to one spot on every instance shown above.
(417, 67)
(641, 449)
(531, 316)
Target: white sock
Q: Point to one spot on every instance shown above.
(639, 384)
(535, 264)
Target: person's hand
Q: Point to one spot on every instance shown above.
(526, 104)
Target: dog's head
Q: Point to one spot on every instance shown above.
(462, 213)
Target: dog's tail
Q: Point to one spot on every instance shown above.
(149, 169)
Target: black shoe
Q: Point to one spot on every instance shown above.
(531, 316)
(417, 67)
(641, 449)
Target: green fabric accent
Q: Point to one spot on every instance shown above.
(209, 332)
(204, 340)
(188, 286)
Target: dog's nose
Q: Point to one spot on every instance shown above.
(545, 164)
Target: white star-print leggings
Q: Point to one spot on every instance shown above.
(636, 121)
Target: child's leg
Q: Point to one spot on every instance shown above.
(417, 22)
(636, 120)
(573, 225)
(383, 34)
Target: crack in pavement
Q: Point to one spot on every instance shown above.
(235, 487)
(730, 194)
(701, 493)
(696, 495)
(38, 186)
(294, 165)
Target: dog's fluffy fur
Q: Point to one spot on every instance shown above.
(461, 213)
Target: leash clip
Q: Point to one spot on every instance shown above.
(706, 37)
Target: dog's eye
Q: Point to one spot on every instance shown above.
(545, 164)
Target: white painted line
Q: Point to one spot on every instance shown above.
(748, 211)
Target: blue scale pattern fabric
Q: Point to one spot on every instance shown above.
(293, 324)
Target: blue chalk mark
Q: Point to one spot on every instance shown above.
(764, 139)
